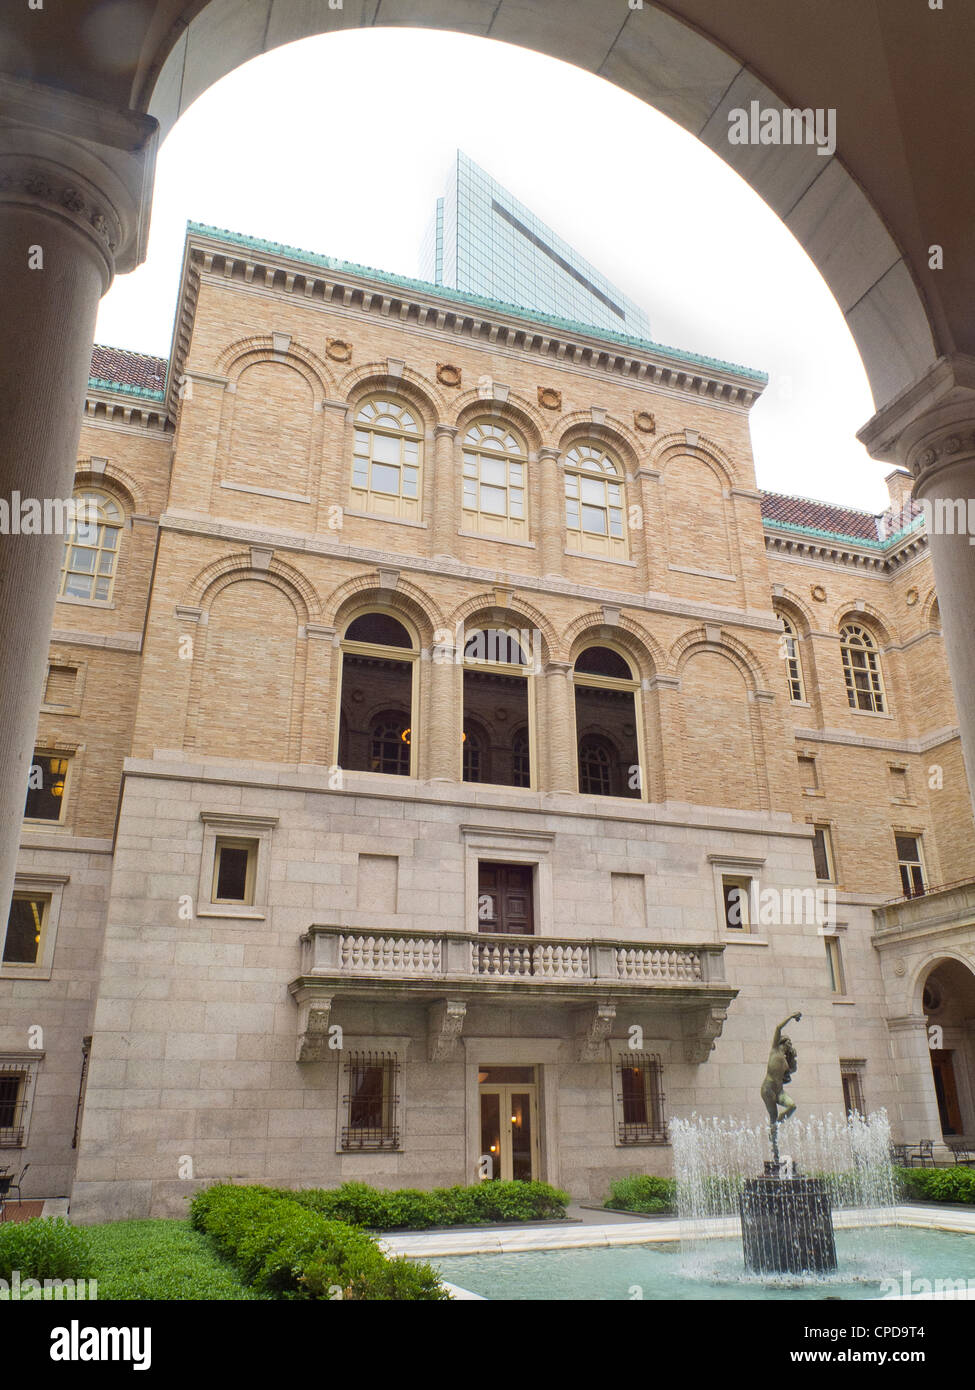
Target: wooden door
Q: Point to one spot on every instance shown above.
(504, 893)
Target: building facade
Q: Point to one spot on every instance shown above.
(452, 765)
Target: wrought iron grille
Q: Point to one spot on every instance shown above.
(13, 1103)
(640, 1096)
(371, 1101)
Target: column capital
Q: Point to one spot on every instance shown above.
(84, 163)
(558, 668)
(548, 452)
(444, 431)
(930, 426)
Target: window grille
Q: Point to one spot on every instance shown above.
(640, 1098)
(13, 1103)
(371, 1101)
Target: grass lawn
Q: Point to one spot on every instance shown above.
(159, 1259)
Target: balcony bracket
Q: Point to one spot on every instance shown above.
(597, 1025)
(702, 1029)
(314, 1011)
(445, 1022)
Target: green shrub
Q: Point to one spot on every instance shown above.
(410, 1209)
(160, 1259)
(938, 1184)
(288, 1250)
(44, 1248)
(643, 1193)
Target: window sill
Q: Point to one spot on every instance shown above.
(871, 714)
(248, 914)
(502, 540)
(377, 516)
(808, 791)
(601, 559)
(843, 999)
(745, 939)
(86, 602)
(42, 823)
(24, 972)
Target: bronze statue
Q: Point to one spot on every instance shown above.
(781, 1065)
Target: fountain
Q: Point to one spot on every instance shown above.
(785, 1206)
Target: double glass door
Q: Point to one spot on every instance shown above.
(509, 1122)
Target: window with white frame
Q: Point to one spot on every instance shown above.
(495, 490)
(823, 852)
(910, 864)
(834, 964)
(234, 864)
(91, 549)
(861, 668)
(736, 889)
(387, 455)
(789, 648)
(595, 503)
(28, 938)
(47, 785)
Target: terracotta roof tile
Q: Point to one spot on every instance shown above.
(126, 368)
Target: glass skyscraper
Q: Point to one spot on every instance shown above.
(484, 241)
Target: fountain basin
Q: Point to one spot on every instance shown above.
(787, 1226)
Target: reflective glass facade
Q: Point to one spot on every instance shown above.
(483, 241)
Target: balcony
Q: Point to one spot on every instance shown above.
(448, 970)
(941, 906)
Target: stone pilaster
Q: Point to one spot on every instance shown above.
(75, 187)
(445, 499)
(443, 701)
(930, 429)
(559, 767)
(551, 523)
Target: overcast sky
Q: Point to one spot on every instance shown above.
(341, 144)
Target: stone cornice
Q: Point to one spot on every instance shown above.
(324, 281)
(923, 744)
(847, 552)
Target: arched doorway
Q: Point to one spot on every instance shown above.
(948, 1004)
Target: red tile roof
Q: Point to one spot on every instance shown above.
(819, 516)
(126, 368)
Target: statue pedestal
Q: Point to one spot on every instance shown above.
(787, 1226)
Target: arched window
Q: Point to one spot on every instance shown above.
(91, 548)
(379, 670)
(607, 724)
(387, 458)
(861, 667)
(594, 501)
(789, 651)
(495, 493)
(497, 699)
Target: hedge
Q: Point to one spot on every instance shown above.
(415, 1210)
(44, 1248)
(286, 1250)
(938, 1184)
(643, 1193)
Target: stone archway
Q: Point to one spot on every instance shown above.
(948, 1003)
